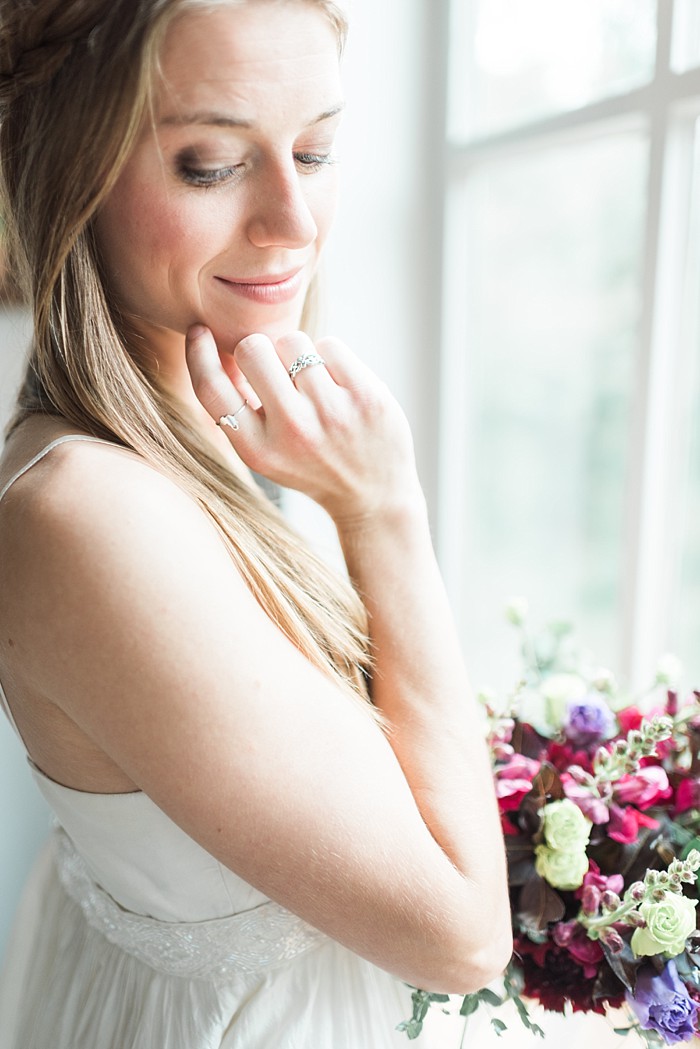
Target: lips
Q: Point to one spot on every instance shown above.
(267, 288)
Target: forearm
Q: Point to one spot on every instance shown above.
(420, 683)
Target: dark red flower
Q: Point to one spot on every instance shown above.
(564, 755)
(553, 977)
(587, 953)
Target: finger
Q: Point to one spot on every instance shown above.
(239, 380)
(304, 364)
(262, 368)
(343, 366)
(211, 384)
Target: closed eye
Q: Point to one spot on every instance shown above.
(314, 160)
(207, 176)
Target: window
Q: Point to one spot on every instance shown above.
(570, 392)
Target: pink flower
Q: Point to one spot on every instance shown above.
(602, 882)
(592, 807)
(644, 788)
(625, 823)
(515, 780)
(688, 795)
(629, 718)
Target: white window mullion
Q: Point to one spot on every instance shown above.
(653, 444)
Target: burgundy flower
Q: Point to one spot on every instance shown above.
(588, 953)
(564, 755)
(553, 977)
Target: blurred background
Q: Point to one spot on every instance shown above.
(518, 254)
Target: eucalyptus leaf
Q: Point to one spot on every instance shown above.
(469, 1005)
(487, 995)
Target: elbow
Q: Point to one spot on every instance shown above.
(465, 967)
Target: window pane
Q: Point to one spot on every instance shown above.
(554, 249)
(685, 609)
(513, 61)
(686, 35)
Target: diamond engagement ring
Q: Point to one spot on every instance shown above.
(231, 420)
(306, 360)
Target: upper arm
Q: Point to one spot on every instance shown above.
(137, 624)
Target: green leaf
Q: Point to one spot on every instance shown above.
(498, 1026)
(487, 995)
(694, 843)
(622, 1030)
(469, 1005)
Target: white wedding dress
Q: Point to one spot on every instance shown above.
(131, 936)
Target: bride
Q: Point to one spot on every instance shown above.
(273, 804)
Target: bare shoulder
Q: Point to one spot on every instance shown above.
(91, 535)
(94, 499)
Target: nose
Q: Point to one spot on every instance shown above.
(281, 216)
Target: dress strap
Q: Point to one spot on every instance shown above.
(45, 451)
(15, 477)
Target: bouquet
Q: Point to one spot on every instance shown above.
(600, 805)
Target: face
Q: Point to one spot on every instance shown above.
(224, 205)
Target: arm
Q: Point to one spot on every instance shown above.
(356, 459)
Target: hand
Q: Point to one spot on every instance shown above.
(335, 433)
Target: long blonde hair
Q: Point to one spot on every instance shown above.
(74, 89)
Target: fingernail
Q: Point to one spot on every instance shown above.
(251, 340)
(196, 330)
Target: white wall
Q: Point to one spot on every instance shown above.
(23, 815)
(380, 279)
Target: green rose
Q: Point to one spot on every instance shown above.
(565, 826)
(562, 869)
(669, 923)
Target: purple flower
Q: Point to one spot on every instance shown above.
(589, 719)
(661, 1003)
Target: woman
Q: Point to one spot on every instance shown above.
(249, 853)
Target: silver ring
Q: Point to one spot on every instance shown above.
(306, 360)
(231, 420)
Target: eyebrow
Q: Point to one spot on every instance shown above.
(213, 119)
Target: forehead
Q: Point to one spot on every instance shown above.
(269, 50)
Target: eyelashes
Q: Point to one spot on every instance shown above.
(193, 173)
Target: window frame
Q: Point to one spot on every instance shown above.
(667, 106)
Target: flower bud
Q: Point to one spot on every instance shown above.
(636, 891)
(563, 932)
(610, 900)
(612, 940)
(634, 918)
(590, 899)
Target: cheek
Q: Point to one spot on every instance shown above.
(322, 203)
(147, 236)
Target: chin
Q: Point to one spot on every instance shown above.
(274, 327)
